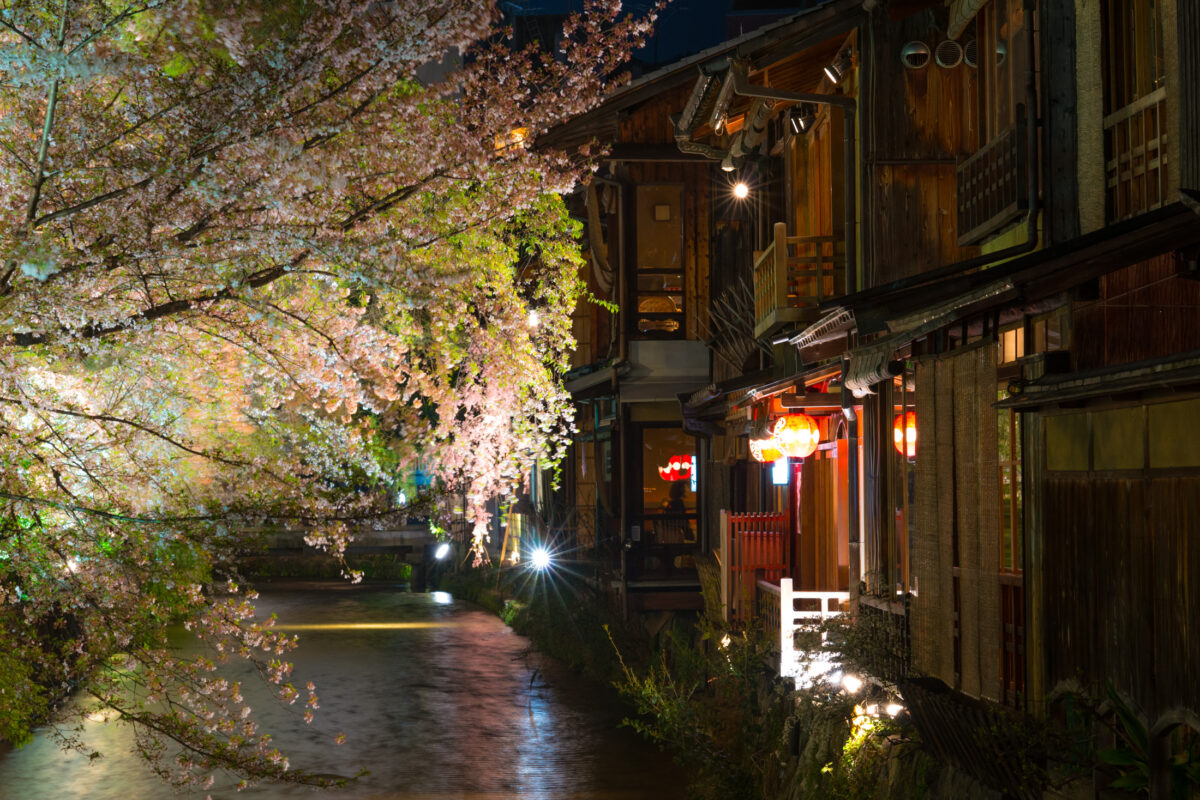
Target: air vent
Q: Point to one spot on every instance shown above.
(971, 54)
(949, 54)
(915, 55)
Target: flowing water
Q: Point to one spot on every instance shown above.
(438, 700)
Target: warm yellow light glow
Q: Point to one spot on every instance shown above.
(741, 191)
(798, 435)
(852, 683)
(905, 425)
(365, 626)
(515, 138)
(765, 449)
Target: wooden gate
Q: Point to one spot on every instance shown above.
(753, 546)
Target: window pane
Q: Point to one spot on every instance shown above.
(664, 282)
(660, 448)
(659, 227)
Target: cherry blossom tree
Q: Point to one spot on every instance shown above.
(251, 270)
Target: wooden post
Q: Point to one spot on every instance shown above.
(781, 270)
(726, 560)
(793, 533)
(787, 637)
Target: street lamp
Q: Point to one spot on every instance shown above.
(540, 558)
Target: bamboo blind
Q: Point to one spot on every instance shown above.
(956, 538)
(932, 608)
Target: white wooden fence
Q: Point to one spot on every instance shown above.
(828, 604)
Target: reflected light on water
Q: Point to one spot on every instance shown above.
(441, 701)
(442, 598)
(366, 626)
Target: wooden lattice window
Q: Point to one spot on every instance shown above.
(1135, 93)
(993, 183)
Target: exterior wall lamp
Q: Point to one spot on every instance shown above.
(802, 117)
(840, 66)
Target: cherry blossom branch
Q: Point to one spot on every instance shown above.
(131, 423)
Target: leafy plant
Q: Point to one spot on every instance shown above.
(1131, 757)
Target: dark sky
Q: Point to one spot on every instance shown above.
(685, 26)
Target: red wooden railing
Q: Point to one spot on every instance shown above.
(753, 547)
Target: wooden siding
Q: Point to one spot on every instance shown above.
(650, 123)
(819, 541)
(920, 123)
(1121, 603)
(816, 177)
(1145, 311)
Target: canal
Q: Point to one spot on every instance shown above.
(438, 699)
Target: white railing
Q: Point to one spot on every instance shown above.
(829, 604)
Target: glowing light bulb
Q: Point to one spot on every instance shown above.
(852, 683)
(540, 558)
(741, 191)
(442, 551)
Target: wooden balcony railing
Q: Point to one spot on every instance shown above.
(1135, 157)
(993, 185)
(793, 276)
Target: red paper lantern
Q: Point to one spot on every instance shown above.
(905, 424)
(679, 468)
(798, 435)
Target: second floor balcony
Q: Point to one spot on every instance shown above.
(793, 276)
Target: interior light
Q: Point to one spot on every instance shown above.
(780, 474)
(741, 191)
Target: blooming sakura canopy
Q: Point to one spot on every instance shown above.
(254, 270)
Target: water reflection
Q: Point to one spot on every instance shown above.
(438, 701)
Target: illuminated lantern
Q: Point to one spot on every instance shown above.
(797, 435)
(765, 449)
(679, 468)
(906, 424)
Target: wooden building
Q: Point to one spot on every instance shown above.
(966, 250)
